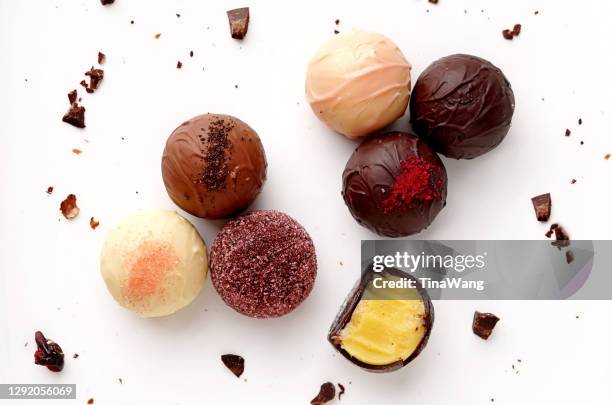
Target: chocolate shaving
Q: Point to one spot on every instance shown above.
(234, 363)
(69, 207)
(483, 324)
(95, 77)
(542, 205)
(239, 22)
(569, 256)
(75, 116)
(72, 97)
(326, 394)
(93, 223)
(101, 58)
(341, 387)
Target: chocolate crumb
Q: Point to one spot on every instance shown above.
(50, 190)
(239, 22)
(573, 181)
(90, 401)
(579, 121)
(101, 58)
(77, 151)
(433, 1)
(157, 36)
(507, 34)
(191, 54)
(569, 256)
(120, 380)
(341, 387)
(132, 22)
(75, 356)
(178, 15)
(336, 32)
(93, 223)
(607, 156)
(581, 142)
(483, 324)
(234, 363)
(95, 77)
(107, 2)
(179, 64)
(69, 207)
(75, 116)
(516, 30)
(72, 97)
(542, 205)
(337, 22)
(568, 132)
(536, 12)
(326, 394)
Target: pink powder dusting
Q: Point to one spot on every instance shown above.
(148, 266)
(263, 264)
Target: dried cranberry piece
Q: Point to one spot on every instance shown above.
(48, 354)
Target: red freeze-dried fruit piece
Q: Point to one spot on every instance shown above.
(326, 394)
(48, 354)
(93, 223)
(542, 205)
(95, 77)
(101, 58)
(234, 363)
(483, 324)
(69, 207)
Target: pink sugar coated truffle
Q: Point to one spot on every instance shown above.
(263, 264)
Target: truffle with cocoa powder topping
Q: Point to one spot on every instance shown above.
(214, 166)
(263, 264)
(394, 184)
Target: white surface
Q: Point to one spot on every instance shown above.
(49, 278)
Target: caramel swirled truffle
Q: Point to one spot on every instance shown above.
(263, 264)
(358, 82)
(154, 263)
(462, 106)
(214, 166)
(394, 184)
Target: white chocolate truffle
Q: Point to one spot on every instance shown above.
(358, 82)
(154, 263)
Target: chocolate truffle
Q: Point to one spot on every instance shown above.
(394, 184)
(462, 106)
(214, 166)
(358, 82)
(154, 263)
(263, 264)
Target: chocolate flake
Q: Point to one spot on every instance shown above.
(239, 22)
(326, 394)
(514, 32)
(72, 97)
(234, 363)
(569, 256)
(179, 64)
(542, 205)
(433, 1)
(341, 387)
(483, 324)
(75, 116)
(69, 207)
(95, 77)
(568, 132)
(75, 356)
(101, 58)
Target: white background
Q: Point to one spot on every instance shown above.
(49, 280)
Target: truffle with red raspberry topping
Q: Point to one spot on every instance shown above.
(263, 264)
(394, 184)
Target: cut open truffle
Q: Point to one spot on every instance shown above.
(385, 321)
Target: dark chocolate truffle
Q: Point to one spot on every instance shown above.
(214, 166)
(394, 184)
(263, 264)
(462, 106)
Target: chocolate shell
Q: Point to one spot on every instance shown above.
(394, 184)
(214, 166)
(348, 307)
(462, 106)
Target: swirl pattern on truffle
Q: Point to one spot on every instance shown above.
(394, 184)
(214, 166)
(358, 83)
(462, 106)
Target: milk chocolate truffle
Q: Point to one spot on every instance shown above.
(263, 264)
(214, 166)
(154, 263)
(358, 82)
(394, 184)
(462, 106)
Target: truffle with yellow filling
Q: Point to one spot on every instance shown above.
(154, 263)
(385, 321)
(358, 82)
